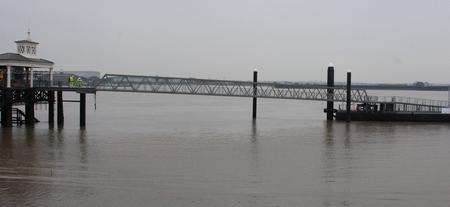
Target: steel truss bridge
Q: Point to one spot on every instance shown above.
(211, 87)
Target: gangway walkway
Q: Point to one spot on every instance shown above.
(211, 87)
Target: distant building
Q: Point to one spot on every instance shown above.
(421, 84)
(84, 74)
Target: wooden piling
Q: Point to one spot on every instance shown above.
(29, 107)
(330, 92)
(349, 95)
(7, 103)
(82, 109)
(59, 108)
(255, 93)
(51, 107)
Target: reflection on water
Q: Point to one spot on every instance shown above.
(33, 167)
(191, 151)
(337, 168)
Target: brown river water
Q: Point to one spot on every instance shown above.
(177, 150)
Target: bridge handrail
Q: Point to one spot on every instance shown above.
(214, 81)
(408, 100)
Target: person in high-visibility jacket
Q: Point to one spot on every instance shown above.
(71, 81)
(79, 82)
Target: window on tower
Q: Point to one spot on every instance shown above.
(21, 49)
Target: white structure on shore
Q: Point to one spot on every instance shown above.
(16, 69)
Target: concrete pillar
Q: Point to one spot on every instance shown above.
(59, 108)
(349, 94)
(51, 107)
(7, 104)
(8, 76)
(255, 92)
(82, 110)
(330, 92)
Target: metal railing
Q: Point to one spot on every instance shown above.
(408, 100)
(210, 87)
(42, 79)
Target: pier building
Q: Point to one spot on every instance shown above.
(26, 79)
(16, 69)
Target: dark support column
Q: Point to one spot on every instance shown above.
(27, 78)
(51, 107)
(59, 108)
(349, 94)
(255, 92)
(7, 103)
(82, 109)
(29, 106)
(330, 92)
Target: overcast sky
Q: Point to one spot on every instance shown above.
(379, 40)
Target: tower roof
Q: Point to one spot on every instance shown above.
(26, 41)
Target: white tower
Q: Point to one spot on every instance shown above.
(27, 48)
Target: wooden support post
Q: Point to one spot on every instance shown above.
(7, 103)
(82, 109)
(330, 92)
(349, 94)
(29, 107)
(51, 107)
(255, 92)
(59, 108)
